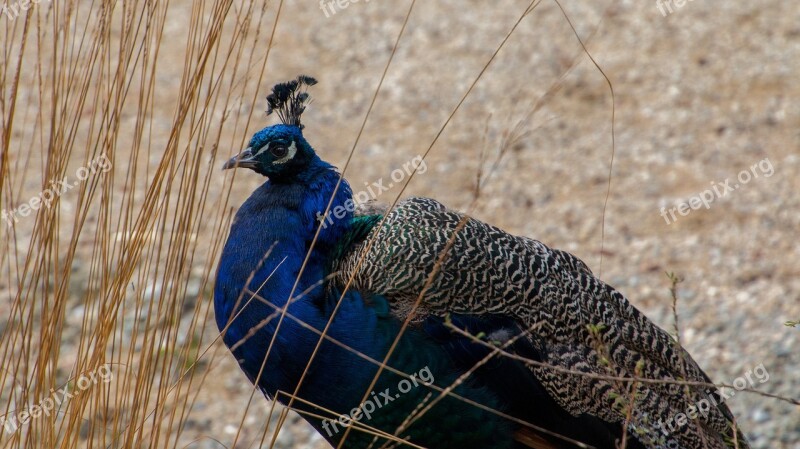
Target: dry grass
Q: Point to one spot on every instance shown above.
(83, 81)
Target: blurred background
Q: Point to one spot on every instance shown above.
(136, 106)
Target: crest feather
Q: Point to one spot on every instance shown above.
(289, 100)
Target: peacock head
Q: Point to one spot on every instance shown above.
(280, 152)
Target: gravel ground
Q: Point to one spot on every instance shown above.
(702, 95)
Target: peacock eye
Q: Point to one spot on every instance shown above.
(279, 151)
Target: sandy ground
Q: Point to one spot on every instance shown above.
(706, 96)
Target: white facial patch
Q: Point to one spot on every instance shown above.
(292, 150)
(261, 150)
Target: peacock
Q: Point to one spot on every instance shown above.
(489, 340)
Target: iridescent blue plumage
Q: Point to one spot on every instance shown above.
(266, 249)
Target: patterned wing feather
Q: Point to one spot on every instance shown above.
(584, 325)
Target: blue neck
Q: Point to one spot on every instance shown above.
(269, 239)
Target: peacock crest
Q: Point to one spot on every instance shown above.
(289, 100)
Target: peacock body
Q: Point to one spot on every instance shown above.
(567, 340)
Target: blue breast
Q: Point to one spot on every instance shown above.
(265, 251)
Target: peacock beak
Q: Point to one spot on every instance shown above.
(244, 160)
